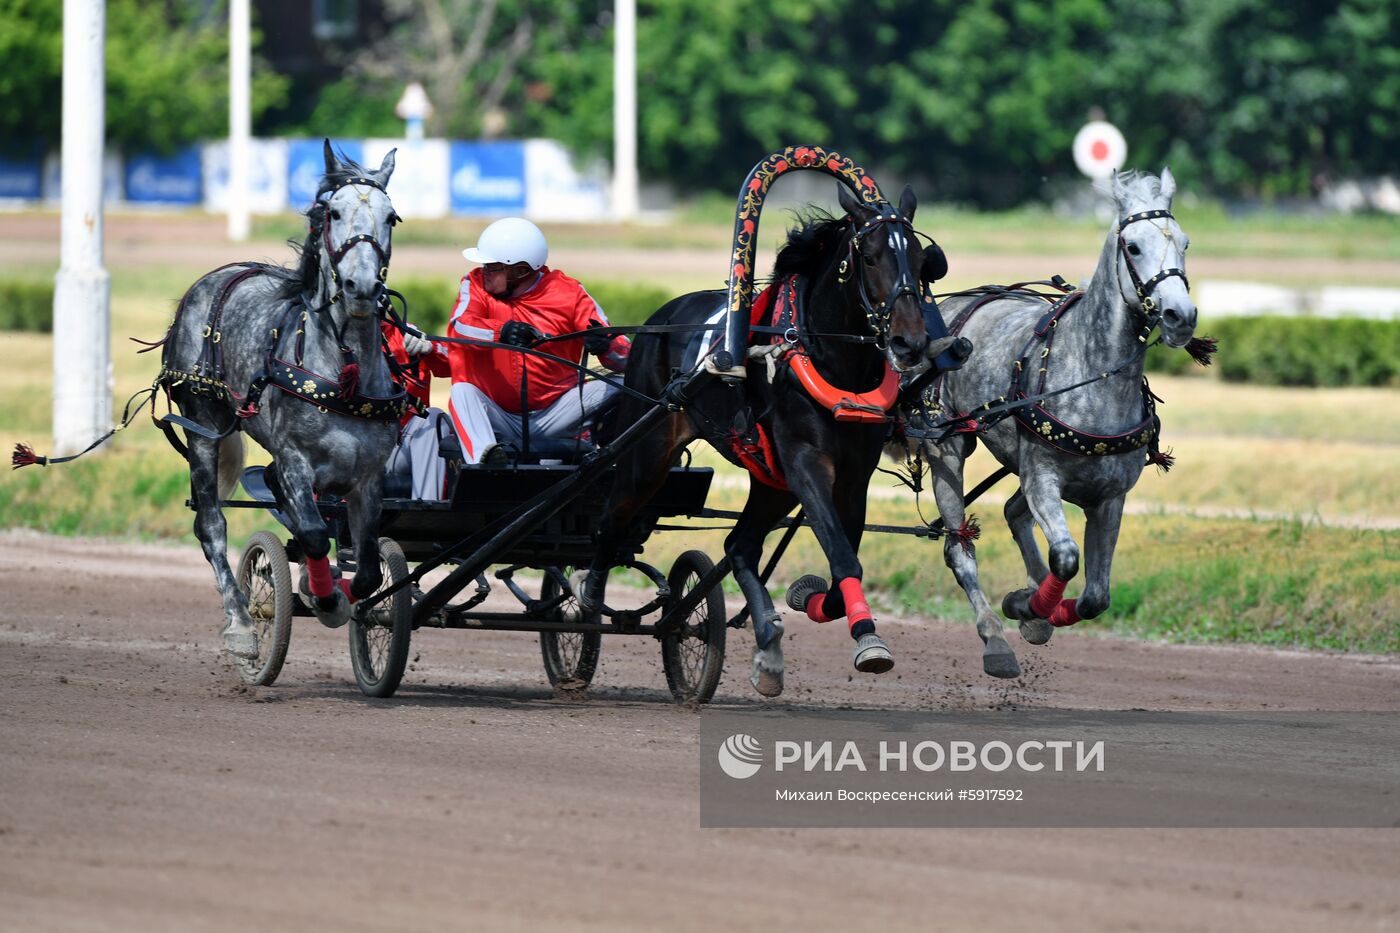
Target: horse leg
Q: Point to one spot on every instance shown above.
(1043, 496)
(240, 638)
(365, 504)
(744, 548)
(239, 635)
(1016, 604)
(297, 480)
(1100, 537)
(811, 476)
(960, 554)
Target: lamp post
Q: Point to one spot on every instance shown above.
(239, 118)
(82, 367)
(413, 108)
(624, 188)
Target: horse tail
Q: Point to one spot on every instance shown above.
(230, 463)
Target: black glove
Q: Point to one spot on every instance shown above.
(520, 334)
(597, 344)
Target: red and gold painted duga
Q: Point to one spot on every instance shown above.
(746, 219)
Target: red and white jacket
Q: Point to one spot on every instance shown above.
(555, 304)
(418, 373)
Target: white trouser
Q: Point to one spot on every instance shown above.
(417, 453)
(482, 424)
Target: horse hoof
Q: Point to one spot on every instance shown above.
(338, 613)
(1017, 605)
(1036, 631)
(767, 676)
(872, 657)
(801, 592)
(243, 645)
(998, 660)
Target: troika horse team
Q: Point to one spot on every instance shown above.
(849, 358)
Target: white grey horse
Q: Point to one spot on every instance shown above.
(293, 357)
(1085, 445)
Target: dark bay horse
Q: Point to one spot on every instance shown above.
(292, 357)
(1086, 445)
(853, 277)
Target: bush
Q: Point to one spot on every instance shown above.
(26, 305)
(431, 300)
(1290, 351)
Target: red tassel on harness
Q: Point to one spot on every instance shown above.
(349, 380)
(1202, 349)
(1161, 459)
(969, 531)
(24, 455)
(248, 411)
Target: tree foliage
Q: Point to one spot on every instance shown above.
(166, 66)
(977, 99)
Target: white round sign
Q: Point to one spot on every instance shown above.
(1099, 149)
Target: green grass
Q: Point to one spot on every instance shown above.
(1298, 452)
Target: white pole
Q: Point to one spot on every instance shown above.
(239, 117)
(625, 199)
(82, 368)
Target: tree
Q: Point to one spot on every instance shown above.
(465, 52)
(167, 73)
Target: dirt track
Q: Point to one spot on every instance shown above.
(141, 787)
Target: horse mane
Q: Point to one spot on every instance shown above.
(302, 278)
(811, 244)
(1136, 186)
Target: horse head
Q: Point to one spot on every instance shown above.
(353, 221)
(889, 266)
(1152, 254)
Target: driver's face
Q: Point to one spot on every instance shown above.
(501, 280)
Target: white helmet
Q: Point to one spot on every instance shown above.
(508, 241)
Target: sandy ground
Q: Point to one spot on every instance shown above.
(142, 787)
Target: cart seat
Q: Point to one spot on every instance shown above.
(565, 450)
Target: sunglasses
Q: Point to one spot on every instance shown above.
(518, 268)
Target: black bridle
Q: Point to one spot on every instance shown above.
(336, 254)
(879, 314)
(1146, 303)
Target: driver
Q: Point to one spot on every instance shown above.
(514, 298)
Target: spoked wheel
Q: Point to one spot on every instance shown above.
(570, 658)
(379, 637)
(266, 581)
(693, 656)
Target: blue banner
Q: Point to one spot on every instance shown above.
(21, 177)
(488, 177)
(306, 163)
(174, 179)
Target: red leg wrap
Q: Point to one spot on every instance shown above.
(857, 609)
(1045, 599)
(815, 612)
(318, 574)
(1064, 614)
(345, 588)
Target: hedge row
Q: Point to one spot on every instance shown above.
(26, 305)
(1262, 350)
(1290, 351)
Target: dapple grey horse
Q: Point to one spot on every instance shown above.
(293, 357)
(1083, 446)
